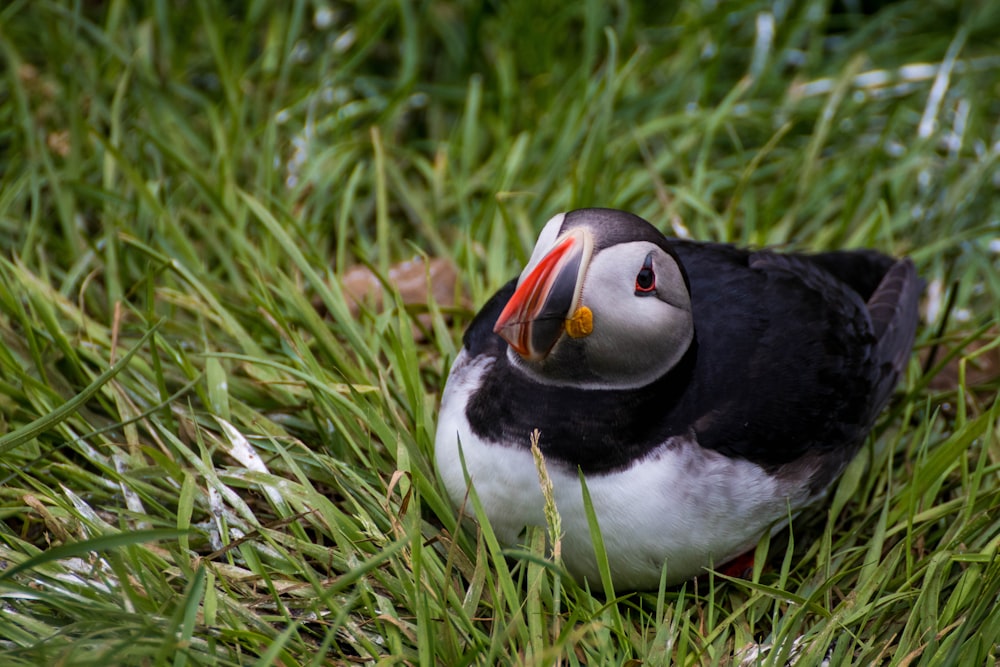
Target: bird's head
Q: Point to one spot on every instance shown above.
(603, 303)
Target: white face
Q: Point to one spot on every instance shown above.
(638, 336)
(641, 314)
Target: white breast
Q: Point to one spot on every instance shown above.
(683, 506)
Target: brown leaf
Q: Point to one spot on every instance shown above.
(980, 369)
(416, 280)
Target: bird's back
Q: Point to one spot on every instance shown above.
(797, 354)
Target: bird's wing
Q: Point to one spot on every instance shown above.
(789, 359)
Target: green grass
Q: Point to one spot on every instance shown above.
(206, 459)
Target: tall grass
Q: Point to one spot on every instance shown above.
(211, 455)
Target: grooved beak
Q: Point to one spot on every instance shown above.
(545, 298)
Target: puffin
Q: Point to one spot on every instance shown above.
(705, 393)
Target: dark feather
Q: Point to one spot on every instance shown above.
(789, 361)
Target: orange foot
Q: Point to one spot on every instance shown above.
(740, 567)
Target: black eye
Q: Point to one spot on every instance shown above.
(645, 280)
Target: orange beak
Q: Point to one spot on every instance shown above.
(536, 316)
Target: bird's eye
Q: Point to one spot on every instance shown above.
(645, 280)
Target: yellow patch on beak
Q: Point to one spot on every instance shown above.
(581, 324)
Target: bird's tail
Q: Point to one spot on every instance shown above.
(893, 308)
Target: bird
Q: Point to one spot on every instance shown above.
(704, 393)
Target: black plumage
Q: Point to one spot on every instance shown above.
(794, 356)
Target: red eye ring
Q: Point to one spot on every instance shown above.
(645, 280)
